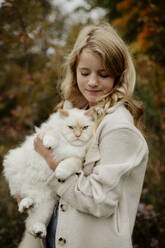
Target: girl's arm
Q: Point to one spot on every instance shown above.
(121, 152)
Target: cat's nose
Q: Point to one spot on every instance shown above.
(77, 134)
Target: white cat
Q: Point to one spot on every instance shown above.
(69, 133)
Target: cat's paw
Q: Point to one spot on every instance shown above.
(62, 173)
(25, 204)
(38, 230)
(48, 141)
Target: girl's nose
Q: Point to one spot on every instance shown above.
(93, 81)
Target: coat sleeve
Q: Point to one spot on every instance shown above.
(98, 194)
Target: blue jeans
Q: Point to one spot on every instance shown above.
(51, 229)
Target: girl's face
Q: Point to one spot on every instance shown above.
(92, 78)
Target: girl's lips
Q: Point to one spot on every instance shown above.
(93, 91)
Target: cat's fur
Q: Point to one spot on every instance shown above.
(69, 133)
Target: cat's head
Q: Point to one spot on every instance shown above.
(77, 126)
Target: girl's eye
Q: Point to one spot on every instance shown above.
(85, 74)
(70, 127)
(104, 75)
(85, 127)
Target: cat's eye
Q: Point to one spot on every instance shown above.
(85, 127)
(70, 127)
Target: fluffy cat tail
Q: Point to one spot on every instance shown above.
(29, 241)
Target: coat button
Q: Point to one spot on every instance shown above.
(61, 241)
(63, 207)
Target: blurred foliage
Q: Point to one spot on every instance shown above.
(34, 38)
(31, 53)
(28, 74)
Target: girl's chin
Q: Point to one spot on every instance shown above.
(92, 100)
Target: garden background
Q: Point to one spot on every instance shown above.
(35, 37)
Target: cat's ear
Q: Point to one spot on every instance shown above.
(36, 129)
(92, 113)
(63, 113)
(67, 105)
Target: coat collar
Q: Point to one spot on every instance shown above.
(118, 112)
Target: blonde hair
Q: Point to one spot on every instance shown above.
(104, 40)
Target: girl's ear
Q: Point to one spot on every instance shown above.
(67, 105)
(63, 113)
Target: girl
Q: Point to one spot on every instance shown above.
(98, 205)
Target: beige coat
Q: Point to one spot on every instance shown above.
(98, 207)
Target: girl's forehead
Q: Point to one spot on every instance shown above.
(90, 58)
(86, 52)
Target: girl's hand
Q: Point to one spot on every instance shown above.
(45, 153)
(18, 198)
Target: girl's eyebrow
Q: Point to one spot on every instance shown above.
(85, 68)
